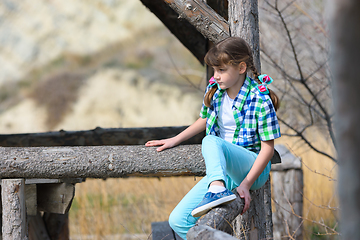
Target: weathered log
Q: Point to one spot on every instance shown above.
(219, 218)
(201, 232)
(13, 209)
(244, 22)
(204, 18)
(253, 223)
(100, 162)
(95, 137)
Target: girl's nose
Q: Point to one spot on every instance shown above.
(216, 76)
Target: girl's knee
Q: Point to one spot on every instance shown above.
(177, 223)
(210, 140)
(173, 219)
(176, 220)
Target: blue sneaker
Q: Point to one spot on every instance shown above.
(212, 200)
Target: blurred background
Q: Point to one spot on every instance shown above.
(82, 64)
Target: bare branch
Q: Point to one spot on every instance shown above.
(299, 134)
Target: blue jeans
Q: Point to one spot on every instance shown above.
(224, 161)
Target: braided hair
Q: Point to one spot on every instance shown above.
(233, 51)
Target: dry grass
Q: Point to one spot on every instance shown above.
(121, 206)
(320, 202)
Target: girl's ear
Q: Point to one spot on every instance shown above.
(242, 68)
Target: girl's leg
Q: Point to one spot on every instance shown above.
(224, 159)
(181, 219)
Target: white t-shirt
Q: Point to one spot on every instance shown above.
(226, 119)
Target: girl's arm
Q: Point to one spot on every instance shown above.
(265, 154)
(195, 128)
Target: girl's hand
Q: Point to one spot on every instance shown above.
(244, 193)
(164, 143)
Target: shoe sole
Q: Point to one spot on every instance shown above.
(198, 212)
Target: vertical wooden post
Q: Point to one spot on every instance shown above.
(256, 223)
(244, 23)
(287, 186)
(13, 209)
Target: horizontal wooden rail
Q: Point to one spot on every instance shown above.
(96, 137)
(100, 162)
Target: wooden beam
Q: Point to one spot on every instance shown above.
(183, 30)
(31, 199)
(244, 23)
(13, 209)
(200, 232)
(100, 162)
(55, 197)
(209, 23)
(95, 137)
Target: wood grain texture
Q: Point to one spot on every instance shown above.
(100, 162)
(13, 209)
(209, 23)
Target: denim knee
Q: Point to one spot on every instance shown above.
(173, 220)
(176, 223)
(210, 140)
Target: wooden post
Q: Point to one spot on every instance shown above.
(256, 223)
(287, 186)
(13, 209)
(244, 23)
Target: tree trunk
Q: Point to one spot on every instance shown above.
(345, 61)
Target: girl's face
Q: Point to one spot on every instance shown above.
(229, 76)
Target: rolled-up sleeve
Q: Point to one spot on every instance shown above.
(268, 125)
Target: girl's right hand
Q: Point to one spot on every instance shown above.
(195, 128)
(164, 143)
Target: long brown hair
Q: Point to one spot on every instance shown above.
(233, 51)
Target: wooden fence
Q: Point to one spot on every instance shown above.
(71, 164)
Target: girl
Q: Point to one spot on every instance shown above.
(238, 114)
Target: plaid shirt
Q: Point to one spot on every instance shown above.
(254, 115)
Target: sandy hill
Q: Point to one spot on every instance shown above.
(92, 63)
